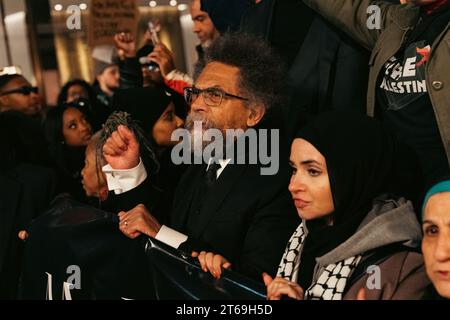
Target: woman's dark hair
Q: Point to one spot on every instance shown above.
(53, 131)
(62, 97)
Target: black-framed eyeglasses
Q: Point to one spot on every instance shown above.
(25, 90)
(211, 96)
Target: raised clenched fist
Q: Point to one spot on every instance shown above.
(121, 150)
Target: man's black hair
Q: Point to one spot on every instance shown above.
(262, 76)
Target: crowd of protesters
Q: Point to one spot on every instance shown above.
(364, 149)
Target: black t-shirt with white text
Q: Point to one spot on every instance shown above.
(402, 95)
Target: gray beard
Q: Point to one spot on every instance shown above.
(196, 138)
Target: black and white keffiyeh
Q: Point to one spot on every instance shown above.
(330, 284)
(353, 185)
(290, 262)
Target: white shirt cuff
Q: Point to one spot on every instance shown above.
(170, 237)
(122, 181)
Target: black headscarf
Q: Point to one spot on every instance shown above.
(146, 105)
(359, 155)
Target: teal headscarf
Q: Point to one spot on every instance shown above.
(443, 186)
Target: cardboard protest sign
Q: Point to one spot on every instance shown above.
(108, 17)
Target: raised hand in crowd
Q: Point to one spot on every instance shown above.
(212, 262)
(126, 44)
(164, 58)
(138, 221)
(279, 287)
(121, 150)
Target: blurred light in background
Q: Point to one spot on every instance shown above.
(182, 7)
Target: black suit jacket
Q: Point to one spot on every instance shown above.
(329, 71)
(246, 217)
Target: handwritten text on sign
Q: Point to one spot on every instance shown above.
(110, 16)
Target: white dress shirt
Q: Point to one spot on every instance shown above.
(122, 181)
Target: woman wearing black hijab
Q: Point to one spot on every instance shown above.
(352, 233)
(149, 106)
(355, 240)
